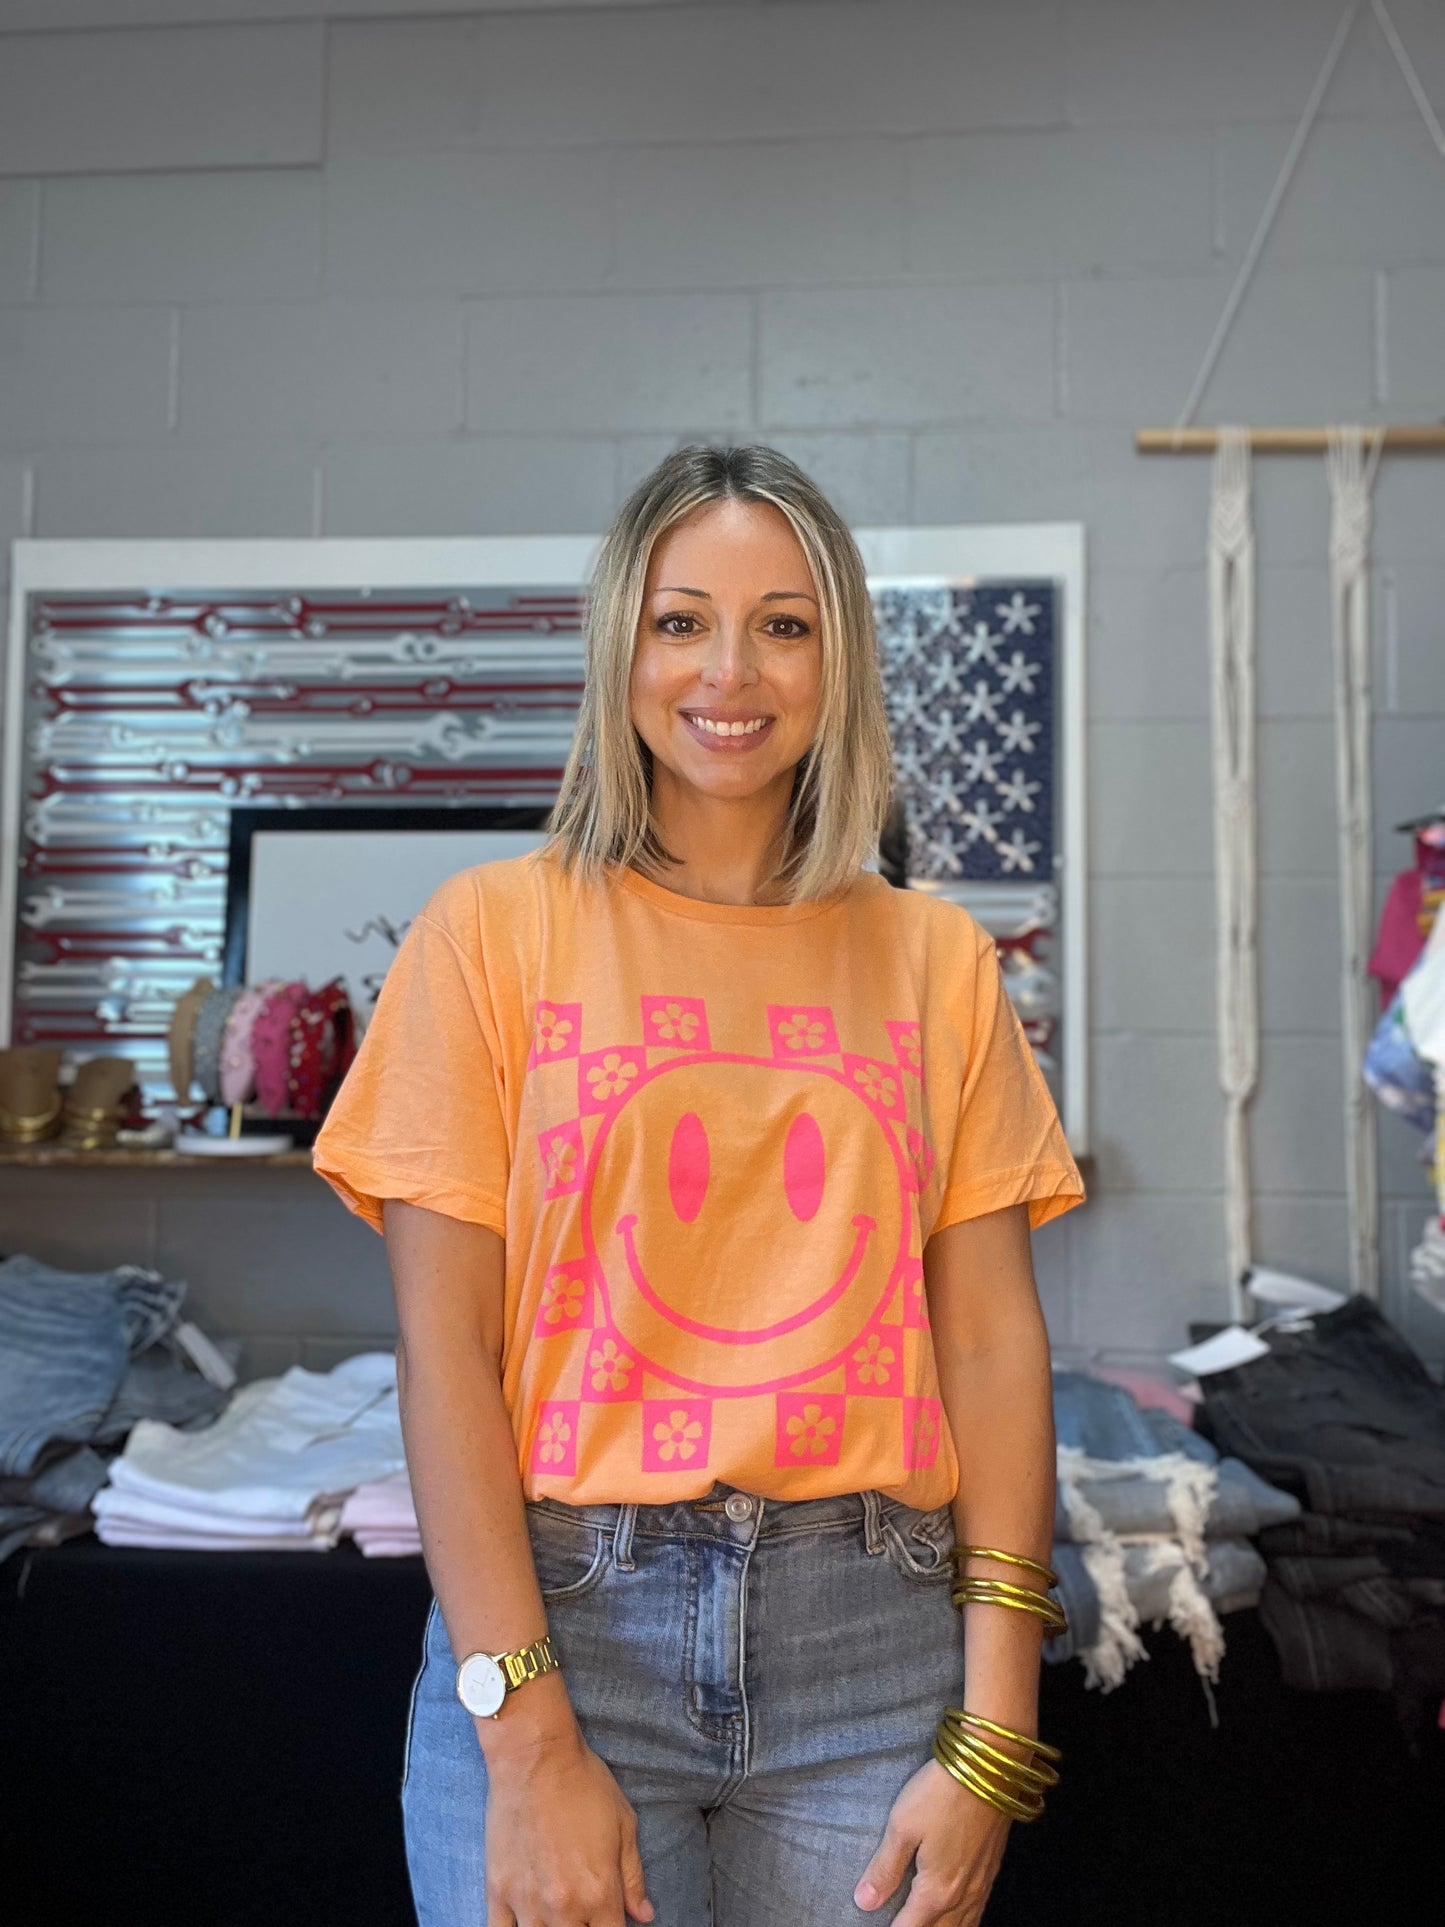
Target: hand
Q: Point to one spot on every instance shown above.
(561, 1841)
(959, 1840)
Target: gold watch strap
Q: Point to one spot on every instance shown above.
(528, 1662)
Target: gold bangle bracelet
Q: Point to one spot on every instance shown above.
(1039, 1777)
(992, 1796)
(1007, 1559)
(967, 1749)
(984, 1592)
(960, 1716)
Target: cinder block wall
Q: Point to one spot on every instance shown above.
(268, 267)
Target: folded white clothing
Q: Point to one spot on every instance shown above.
(380, 1502)
(282, 1444)
(112, 1534)
(389, 1545)
(134, 1509)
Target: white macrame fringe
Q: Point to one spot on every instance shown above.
(1352, 477)
(1236, 884)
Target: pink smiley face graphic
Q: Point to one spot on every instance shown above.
(721, 1182)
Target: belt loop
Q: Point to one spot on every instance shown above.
(872, 1520)
(622, 1537)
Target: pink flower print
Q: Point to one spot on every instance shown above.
(562, 1297)
(611, 1077)
(877, 1086)
(873, 1360)
(922, 1427)
(560, 1159)
(674, 1024)
(907, 1045)
(809, 1428)
(802, 1031)
(676, 1432)
(677, 1435)
(610, 1367)
(554, 1443)
(915, 1294)
(554, 1031)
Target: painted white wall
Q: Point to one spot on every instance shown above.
(274, 268)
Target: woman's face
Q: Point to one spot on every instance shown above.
(727, 670)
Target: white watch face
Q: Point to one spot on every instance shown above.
(481, 1686)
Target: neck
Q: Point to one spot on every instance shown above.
(727, 848)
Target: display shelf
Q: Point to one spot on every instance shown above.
(128, 1155)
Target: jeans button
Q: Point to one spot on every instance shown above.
(738, 1506)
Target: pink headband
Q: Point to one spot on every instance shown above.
(271, 1046)
(238, 1062)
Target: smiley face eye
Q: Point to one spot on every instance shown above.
(689, 1166)
(803, 1166)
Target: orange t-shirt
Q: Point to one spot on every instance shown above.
(715, 1140)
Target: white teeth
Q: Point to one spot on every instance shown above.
(730, 729)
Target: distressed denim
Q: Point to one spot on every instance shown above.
(761, 1686)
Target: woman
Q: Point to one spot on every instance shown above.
(706, 1163)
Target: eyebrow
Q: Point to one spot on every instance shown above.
(773, 595)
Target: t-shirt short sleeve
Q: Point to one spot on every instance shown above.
(419, 1116)
(1009, 1146)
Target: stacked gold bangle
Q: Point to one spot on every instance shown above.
(960, 1746)
(972, 1591)
(1014, 1787)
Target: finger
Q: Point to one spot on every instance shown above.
(634, 1886)
(928, 1906)
(884, 1871)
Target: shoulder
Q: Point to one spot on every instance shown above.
(478, 903)
(931, 924)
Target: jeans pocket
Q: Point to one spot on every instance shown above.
(570, 1554)
(920, 1544)
(415, 1688)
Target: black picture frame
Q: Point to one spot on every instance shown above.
(368, 817)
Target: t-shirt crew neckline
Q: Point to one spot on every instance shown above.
(676, 905)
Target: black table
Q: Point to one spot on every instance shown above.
(215, 1740)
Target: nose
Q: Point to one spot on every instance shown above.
(732, 658)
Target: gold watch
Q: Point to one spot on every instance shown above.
(485, 1679)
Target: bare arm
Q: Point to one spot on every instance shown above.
(462, 1456)
(993, 1368)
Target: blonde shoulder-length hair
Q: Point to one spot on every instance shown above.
(603, 814)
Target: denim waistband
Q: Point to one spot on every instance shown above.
(709, 1516)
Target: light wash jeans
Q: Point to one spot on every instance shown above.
(761, 1680)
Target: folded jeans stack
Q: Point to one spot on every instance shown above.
(381, 1518)
(1342, 1412)
(270, 1474)
(1150, 1525)
(84, 1357)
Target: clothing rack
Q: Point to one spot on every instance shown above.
(1405, 438)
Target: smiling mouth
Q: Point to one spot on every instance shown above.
(863, 1227)
(729, 730)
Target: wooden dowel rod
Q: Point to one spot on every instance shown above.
(1417, 437)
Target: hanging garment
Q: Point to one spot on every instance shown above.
(1409, 913)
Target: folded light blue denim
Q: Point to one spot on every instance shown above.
(83, 1357)
(66, 1338)
(1105, 1422)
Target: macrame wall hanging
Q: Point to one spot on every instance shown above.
(1352, 460)
(1236, 882)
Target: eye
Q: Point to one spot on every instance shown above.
(665, 624)
(789, 628)
(803, 1170)
(689, 1165)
